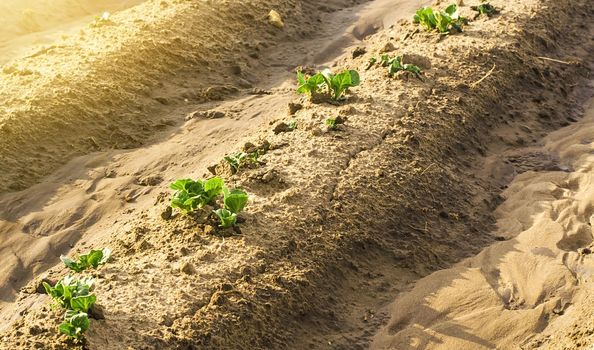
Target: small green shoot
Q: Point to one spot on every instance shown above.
(371, 62)
(292, 125)
(395, 65)
(90, 260)
(485, 9)
(442, 21)
(341, 82)
(233, 201)
(69, 289)
(228, 219)
(75, 324)
(309, 85)
(235, 160)
(191, 195)
(331, 122)
(336, 84)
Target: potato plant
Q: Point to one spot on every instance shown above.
(442, 21)
(233, 203)
(395, 65)
(485, 9)
(206, 192)
(335, 84)
(93, 259)
(191, 195)
(239, 159)
(71, 293)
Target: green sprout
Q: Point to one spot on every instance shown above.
(233, 201)
(191, 195)
(85, 261)
(442, 21)
(336, 84)
(395, 65)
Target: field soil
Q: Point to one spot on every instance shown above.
(448, 211)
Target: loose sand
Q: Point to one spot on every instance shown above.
(340, 223)
(534, 281)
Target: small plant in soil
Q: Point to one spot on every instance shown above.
(195, 195)
(292, 125)
(73, 295)
(310, 85)
(75, 324)
(395, 65)
(191, 195)
(336, 84)
(233, 203)
(235, 160)
(333, 123)
(93, 259)
(372, 61)
(485, 9)
(442, 21)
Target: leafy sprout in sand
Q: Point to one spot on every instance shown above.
(85, 261)
(191, 195)
(485, 9)
(233, 201)
(442, 21)
(72, 293)
(75, 324)
(395, 65)
(336, 84)
(235, 160)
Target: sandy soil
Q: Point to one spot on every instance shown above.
(340, 223)
(535, 281)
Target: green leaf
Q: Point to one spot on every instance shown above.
(68, 329)
(339, 83)
(83, 302)
(235, 160)
(94, 258)
(75, 324)
(48, 289)
(442, 21)
(71, 264)
(213, 187)
(311, 84)
(180, 185)
(235, 200)
(451, 10)
(190, 195)
(227, 218)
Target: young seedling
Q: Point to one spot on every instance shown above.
(341, 82)
(331, 122)
(191, 195)
(235, 160)
(336, 84)
(395, 65)
(292, 125)
(371, 62)
(93, 259)
(442, 21)
(485, 9)
(75, 324)
(71, 293)
(309, 85)
(233, 203)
